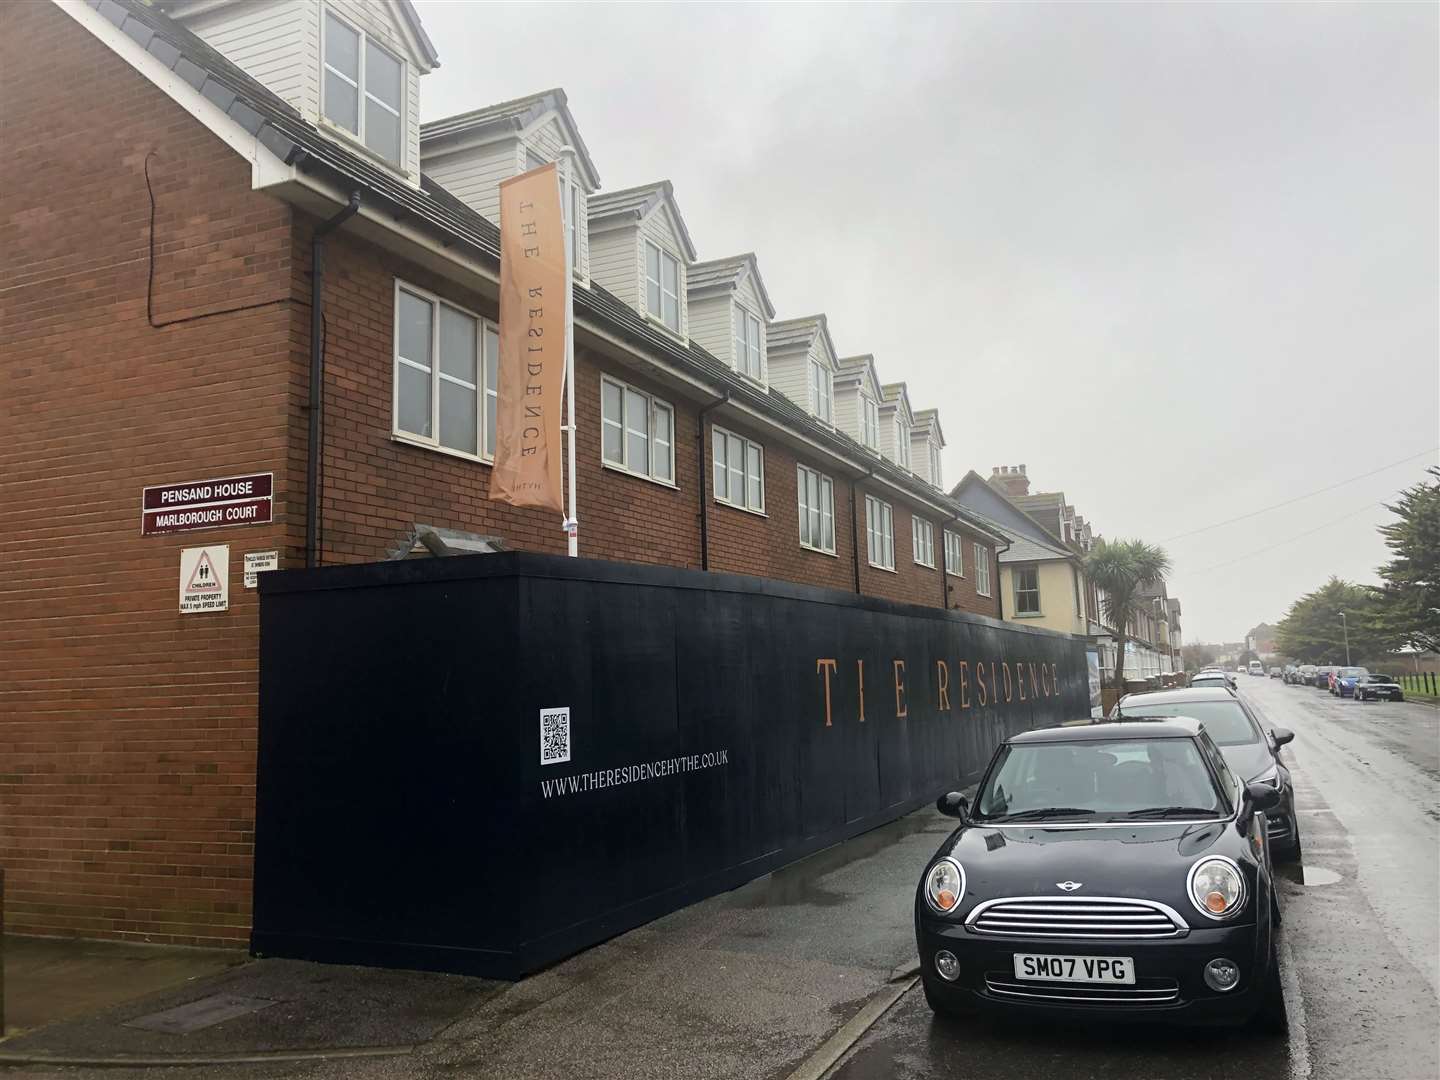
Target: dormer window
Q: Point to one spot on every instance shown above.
(363, 88)
(902, 443)
(870, 421)
(747, 343)
(569, 207)
(662, 285)
(935, 465)
(822, 391)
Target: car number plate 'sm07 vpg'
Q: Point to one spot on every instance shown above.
(1118, 970)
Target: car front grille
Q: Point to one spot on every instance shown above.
(1001, 985)
(1278, 827)
(1102, 917)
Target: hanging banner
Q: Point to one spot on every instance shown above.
(532, 342)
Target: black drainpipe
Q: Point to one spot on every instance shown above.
(317, 376)
(944, 568)
(704, 501)
(855, 526)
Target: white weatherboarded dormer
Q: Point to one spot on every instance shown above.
(729, 313)
(857, 400)
(640, 250)
(802, 364)
(896, 422)
(351, 67)
(926, 442)
(468, 155)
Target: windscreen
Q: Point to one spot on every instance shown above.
(1224, 720)
(1352, 672)
(1105, 780)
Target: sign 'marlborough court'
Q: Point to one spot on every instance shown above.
(486, 763)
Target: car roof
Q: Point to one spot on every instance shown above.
(1171, 697)
(1180, 727)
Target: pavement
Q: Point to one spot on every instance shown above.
(808, 972)
(54, 979)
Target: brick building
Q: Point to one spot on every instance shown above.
(162, 185)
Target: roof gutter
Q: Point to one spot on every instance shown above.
(317, 375)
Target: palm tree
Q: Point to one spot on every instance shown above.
(1122, 569)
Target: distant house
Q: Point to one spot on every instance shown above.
(1042, 575)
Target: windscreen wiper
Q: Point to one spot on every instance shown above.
(1170, 811)
(1044, 811)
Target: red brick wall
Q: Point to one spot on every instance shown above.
(127, 731)
(962, 594)
(743, 542)
(376, 487)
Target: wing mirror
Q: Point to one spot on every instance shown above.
(953, 804)
(1262, 797)
(1281, 735)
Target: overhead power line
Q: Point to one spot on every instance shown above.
(1290, 540)
(1300, 498)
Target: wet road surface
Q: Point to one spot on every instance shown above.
(1360, 948)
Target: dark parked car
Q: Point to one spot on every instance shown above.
(1252, 753)
(1304, 675)
(1106, 871)
(1321, 680)
(1342, 682)
(1378, 686)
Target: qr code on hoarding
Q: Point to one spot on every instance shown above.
(554, 735)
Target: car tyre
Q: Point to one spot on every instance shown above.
(1271, 1018)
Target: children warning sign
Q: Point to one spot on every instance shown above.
(205, 579)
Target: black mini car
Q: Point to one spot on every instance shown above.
(1378, 686)
(1107, 870)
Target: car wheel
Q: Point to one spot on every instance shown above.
(1271, 1017)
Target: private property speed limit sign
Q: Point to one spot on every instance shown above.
(205, 579)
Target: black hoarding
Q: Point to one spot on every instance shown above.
(486, 763)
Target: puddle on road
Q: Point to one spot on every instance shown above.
(1319, 875)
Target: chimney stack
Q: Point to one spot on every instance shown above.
(1010, 479)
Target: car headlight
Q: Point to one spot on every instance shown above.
(944, 886)
(1217, 888)
(1270, 776)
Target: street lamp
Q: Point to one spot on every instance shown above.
(1346, 627)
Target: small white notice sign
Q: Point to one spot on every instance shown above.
(257, 562)
(554, 735)
(205, 579)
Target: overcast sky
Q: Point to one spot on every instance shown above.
(1179, 260)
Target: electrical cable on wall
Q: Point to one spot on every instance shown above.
(150, 282)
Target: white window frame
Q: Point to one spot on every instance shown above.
(902, 441)
(659, 316)
(1015, 582)
(742, 345)
(363, 94)
(869, 422)
(825, 512)
(981, 557)
(954, 554)
(569, 208)
(879, 532)
(746, 475)
(484, 390)
(922, 541)
(935, 464)
(822, 389)
(653, 405)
